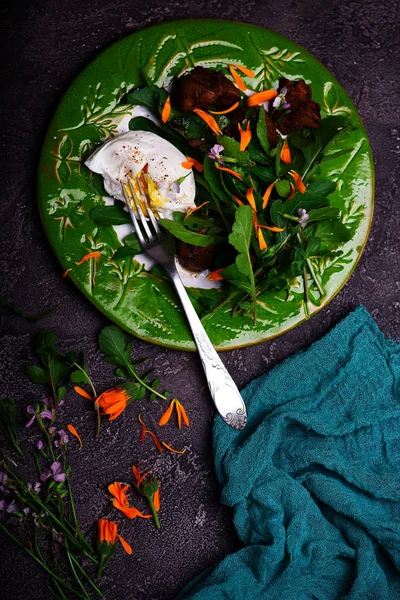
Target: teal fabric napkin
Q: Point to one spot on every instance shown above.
(314, 478)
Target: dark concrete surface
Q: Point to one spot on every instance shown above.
(45, 44)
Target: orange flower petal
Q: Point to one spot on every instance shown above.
(237, 79)
(250, 199)
(298, 181)
(75, 433)
(207, 118)
(125, 544)
(292, 193)
(245, 136)
(272, 228)
(268, 193)
(261, 240)
(65, 273)
(245, 70)
(156, 500)
(192, 210)
(187, 164)
(182, 411)
(215, 275)
(166, 111)
(138, 475)
(129, 511)
(225, 112)
(88, 256)
(285, 154)
(238, 201)
(172, 449)
(179, 415)
(165, 417)
(260, 97)
(155, 440)
(82, 392)
(143, 431)
(230, 171)
(196, 164)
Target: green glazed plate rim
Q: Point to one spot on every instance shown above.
(89, 113)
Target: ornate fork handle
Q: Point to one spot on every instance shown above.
(224, 392)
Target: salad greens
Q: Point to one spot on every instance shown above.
(270, 216)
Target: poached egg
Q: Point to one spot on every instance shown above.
(170, 186)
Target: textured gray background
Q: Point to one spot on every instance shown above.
(46, 44)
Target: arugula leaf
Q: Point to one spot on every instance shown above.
(261, 130)
(151, 97)
(240, 239)
(179, 231)
(328, 129)
(132, 242)
(236, 278)
(232, 149)
(110, 215)
(320, 214)
(331, 233)
(213, 178)
(314, 197)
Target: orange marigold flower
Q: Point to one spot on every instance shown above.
(166, 111)
(107, 535)
(261, 97)
(298, 181)
(121, 502)
(285, 155)
(180, 411)
(138, 475)
(113, 402)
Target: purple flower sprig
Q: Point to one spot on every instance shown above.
(215, 153)
(55, 471)
(303, 217)
(280, 100)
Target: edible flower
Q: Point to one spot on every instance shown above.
(138, 475)
(168, 447)
(230, 171)
(245, 70)
(55, 471)
(237, 79)
(113, 402)
(121, 502)
(166, 111)
(268, 193)
(215, 153)
(82, 392)
(192, 210)
(149, 487)
(216, 275)
(192, 162)
(285, 155)
(180, 411)
(261, 240)
(245, 136)
(261, 97)
(303, 217)
(75, 433)
(238, 201)
(207, 118)
(145, 431)
(281, 99)
(271, 227)
(250, 198)
(226, 111)
(107, 535)
(298, 181)
(292, 193)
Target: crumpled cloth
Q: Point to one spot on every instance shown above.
(314, 477)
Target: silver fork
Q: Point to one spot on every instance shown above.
(160, 245)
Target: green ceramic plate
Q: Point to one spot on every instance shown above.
(144, 303)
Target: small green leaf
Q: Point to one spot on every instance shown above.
(79, 377)
(37, 375)
(179, 231)
(112, 342)
(110, 215)
(262, 131)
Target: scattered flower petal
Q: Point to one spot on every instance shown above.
(166, 111)
(237, 79)
(268, 193)
(226, 111)
(285, 154)
(298, 181)
(261, 97)
(75, 433)
(172, 449)
(82, 392)
(88, 257)
(207, 118)
(230, 171)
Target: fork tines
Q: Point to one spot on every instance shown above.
(136, 198)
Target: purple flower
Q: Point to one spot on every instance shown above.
(2, 505)
(39, 445)
(55, 471)
(30, 411)
(12, 507)
(215, 153)
(60, 539)
(3, 478)
(48, 400)
(36, 487)
(52, 430)
(63, 436)
(280, 99)
(46, 414)
(26, 510)
(304, 216)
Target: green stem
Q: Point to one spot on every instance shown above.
(153, 510)
(314, 276)
(75, 574)
(97, 409)
(101, 566)
(88, 579)
(131, 370)
(306, 311)
(41, 563)
(71, 502)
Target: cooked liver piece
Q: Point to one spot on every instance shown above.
(203, 88)
(195, 258)
(303, 111)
